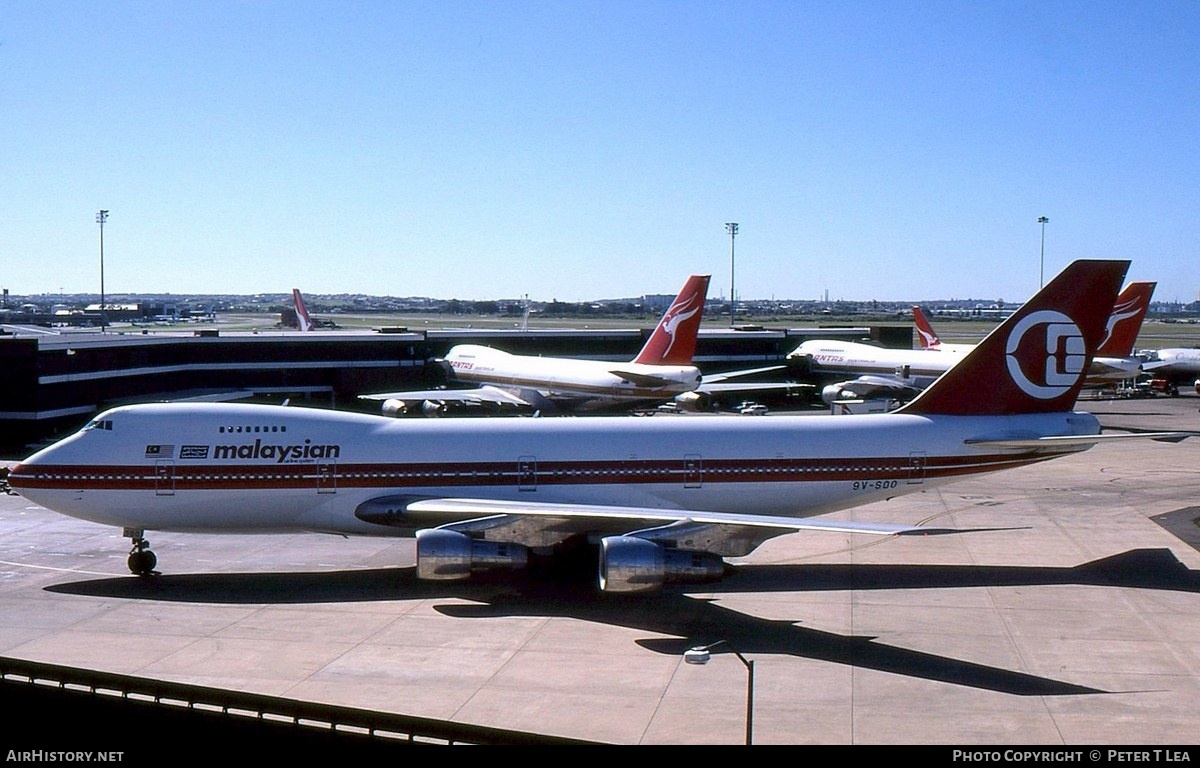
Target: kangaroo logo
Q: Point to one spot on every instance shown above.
(1060, 356)
(676, 315)
(1122, 311)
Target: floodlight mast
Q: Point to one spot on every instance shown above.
(101, 218)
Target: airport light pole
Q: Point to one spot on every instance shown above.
(102, 217)
(1042, 273)
(732, 228)
(700, 655)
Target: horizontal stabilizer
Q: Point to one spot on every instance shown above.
(642, 379)
(1065, 440)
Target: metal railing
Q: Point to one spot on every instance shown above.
(383, 727)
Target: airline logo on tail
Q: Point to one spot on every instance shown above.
(924, 329)
(1052, 360)
(304, 322)
(677, 314)
(674, 339)
(1036, 360)
(1125, 322)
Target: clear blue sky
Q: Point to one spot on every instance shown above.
(891, 150)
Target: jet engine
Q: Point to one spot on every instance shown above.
(632, 564)
(396, 407)
(831, 393)
(445, 555)
(694, 401)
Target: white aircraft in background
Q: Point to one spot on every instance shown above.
(666, 500)
(1175, 365)
(303, 320)
(901, 373)
(662, 372)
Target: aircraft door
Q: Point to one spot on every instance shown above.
(164, 477)
(693, 471)
(916, 467)
(527, 473)
(326, 477)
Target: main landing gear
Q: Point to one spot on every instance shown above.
(141, 560)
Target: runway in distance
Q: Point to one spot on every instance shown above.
(654, 501)
(662, 372)
(899, 374)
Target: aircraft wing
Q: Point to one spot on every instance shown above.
(721, 383)
(1155, 365)
(483, 394)
(867, 387)
(763, 386)
(714, 378)
(544, 523)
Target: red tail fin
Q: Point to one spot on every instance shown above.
(929, 339)
(674, 339)
(302, 319)
(1036, 360)
(1125, 322)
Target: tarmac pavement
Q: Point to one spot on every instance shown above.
(1066, 613)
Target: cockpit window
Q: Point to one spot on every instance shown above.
(99, 424)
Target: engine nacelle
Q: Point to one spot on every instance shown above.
(632, 564)
(694, 401)
(831, 393)
(445, 555)
(395, 407)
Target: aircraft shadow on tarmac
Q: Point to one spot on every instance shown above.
(691, 620)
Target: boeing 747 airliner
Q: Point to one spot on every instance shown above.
(665, 500)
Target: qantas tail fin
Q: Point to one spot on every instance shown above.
(929, 339)
(1036, 360)
(1125, 322)
(302, 319)
(674, 339)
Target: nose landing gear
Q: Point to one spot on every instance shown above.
(141, 560)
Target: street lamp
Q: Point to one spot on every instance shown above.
(1042, 274)
(732, 228)
(700, 655)
(102, 217)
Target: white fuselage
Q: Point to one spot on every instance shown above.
(227, 468)
(922, 366)
(582, 384)
(1176, 362)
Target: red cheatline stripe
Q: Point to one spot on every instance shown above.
(485, 474)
